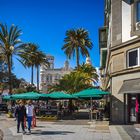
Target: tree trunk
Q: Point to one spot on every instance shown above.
(32, 75)
(77, 57)
(9, 74)
(38, 78)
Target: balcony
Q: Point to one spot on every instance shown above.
(103, 37)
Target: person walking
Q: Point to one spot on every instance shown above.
(30, 114)
(20, 114)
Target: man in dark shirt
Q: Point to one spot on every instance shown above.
(20, 114)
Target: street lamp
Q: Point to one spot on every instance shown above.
(11, 48)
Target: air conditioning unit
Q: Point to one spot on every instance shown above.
(137, 26)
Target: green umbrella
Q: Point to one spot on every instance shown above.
(88, 93)
(7, 97)
(26, 96)
(88, 96)
(57, 95)
(91, 94)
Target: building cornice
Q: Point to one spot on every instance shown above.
(125, 44)
(125, 71)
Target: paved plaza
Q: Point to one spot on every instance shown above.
(67, 130)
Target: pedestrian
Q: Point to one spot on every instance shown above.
(30, 114)
(20, 115)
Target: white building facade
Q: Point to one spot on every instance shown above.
(50, 76)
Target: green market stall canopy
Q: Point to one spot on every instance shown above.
(91, 93)
(57, 95)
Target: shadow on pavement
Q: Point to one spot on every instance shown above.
(39, 126)
(132, 132)
(51, 132)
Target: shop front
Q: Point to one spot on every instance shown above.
(131, 91)
(133, 108)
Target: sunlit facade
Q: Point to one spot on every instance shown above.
(50, 75)
(120, 59)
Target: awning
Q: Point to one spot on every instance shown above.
(58, 95)
(91, 93)
(130, 86)
(26, 96)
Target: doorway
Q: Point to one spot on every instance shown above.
(134, 108)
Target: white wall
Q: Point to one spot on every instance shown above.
(126, 22)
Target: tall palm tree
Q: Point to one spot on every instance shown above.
(10, 45)
(33, 57)
(28, 57)
(77, 42)
(40, 60)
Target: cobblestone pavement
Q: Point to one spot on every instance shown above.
(65, 130)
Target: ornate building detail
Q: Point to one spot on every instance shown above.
(50, 76)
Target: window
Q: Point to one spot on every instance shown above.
(133, 58)
(138, 11)
(135, 18)
(103, 58)
(47, 78)
(50, 78)
(103, 37)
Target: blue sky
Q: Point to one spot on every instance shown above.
(45, 22)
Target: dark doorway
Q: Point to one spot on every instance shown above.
(134, 108)
(138, 108)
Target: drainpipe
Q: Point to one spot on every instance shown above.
(124, 115)
(110, 99)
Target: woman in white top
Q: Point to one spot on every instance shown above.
(30, 114)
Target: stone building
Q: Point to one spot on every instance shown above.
(120, 59)
(50, 76)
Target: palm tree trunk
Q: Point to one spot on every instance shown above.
(9, 74)
(37, 78)
(77, 57)
(32, 74)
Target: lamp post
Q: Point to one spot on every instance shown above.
(11, 48)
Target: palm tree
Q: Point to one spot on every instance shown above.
(40, 60)
(10, 45)
(31, 57)
(90, 71)
(77, 42)
(71, 83)
(28, 58)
